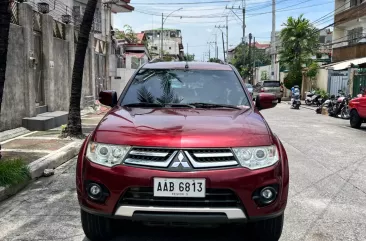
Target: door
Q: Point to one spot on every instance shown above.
(39, 81)
(359, 87)
(100, 68)
(338, 80)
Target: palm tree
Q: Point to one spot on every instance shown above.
(74, 127)
(5, 17)
(299, 41)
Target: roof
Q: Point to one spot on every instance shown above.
(165, 29)
(137, 55)
(140, 37)
(261, 46)
(191, 65)
(346, 64)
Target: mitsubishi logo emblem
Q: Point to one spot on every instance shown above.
(180, 161)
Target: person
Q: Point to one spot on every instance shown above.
(295, 90)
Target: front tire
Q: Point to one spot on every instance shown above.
(307, 102)
(266, 230)
(355, 120)
(279, 100)
(96, 228)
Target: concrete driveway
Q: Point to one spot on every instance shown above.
(327, 192)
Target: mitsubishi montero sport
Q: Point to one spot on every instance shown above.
(184, 143)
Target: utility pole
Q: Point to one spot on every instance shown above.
(187, 52)
(244, 26)
(216, 52)
(249, 55)
(273, 44)
(209, 49)
(254, 50)
(227, 35)
(223, 46)
(161, 35)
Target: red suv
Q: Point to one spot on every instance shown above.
(184, 143)
(357, 108)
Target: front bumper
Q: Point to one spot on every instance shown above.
(241, 181)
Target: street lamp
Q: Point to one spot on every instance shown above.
(162, 29)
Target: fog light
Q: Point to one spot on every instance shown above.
(95, 191)
(268, 195)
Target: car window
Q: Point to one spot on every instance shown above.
(182, 86)
(271, 84)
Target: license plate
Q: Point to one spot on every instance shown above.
(179, 187)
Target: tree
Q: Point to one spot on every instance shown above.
(74, 128)
(312, 72)
(5, 17)
(299, 41)
(189, 57)
(244, 66)
(128, 34)
(215, 60)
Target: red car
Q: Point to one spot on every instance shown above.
(184, 143)
(357, 108)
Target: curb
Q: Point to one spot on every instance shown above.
(36, 168)
(54, 159)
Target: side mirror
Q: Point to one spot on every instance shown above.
(265, 101)
(108, 98)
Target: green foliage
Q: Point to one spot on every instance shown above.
(214, 60)
(294, 77)
(189, 57)
(299, 41)
(13, 172)
(322, 93)
(244, 66)
(264, 75)
(312, 70)
(128, 34)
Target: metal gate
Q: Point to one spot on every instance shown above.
(338, 80)
(100, 68)
(359, 83)
(39, 80)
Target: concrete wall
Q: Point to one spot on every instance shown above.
(61, 74)
(55, 66)
(13, 104)
(119, 84)
(322, 79)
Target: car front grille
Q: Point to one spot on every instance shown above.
(215, 198)
(196, 158)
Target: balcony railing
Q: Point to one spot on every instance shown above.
(349, 52)
(350, 14)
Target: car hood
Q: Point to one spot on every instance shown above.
(183, 128)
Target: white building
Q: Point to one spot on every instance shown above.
(172, 42)
(349, 35)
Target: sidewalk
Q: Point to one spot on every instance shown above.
(44, 149)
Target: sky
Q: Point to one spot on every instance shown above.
(197, 21)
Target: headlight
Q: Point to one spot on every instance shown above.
(257, 157)
(106, 155)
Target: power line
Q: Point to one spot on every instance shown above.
(181, 3)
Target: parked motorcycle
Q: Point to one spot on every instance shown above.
(337, 105)
(345, 112)
(309, 96)
(313, 99)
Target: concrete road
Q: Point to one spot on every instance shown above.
(327, 193)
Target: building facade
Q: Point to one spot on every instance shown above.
(172, 42)
(349, 36)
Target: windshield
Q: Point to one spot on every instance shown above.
(271, 84)
(164, 86)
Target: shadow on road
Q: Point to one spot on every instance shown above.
(144, 233)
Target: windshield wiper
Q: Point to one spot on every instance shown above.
(144, 104)
(179, 105)
(209, 105)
